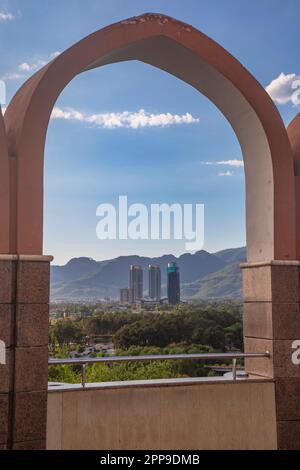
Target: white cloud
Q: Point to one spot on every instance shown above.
(285, 89)
(6, 16)
(226, 173)
(55, 54)
(12, 76)
(29, 67)
(133, 120)
(233, 163)
(25, 67)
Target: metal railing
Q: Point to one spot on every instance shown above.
(84, 362)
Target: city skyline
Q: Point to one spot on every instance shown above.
(135, 292)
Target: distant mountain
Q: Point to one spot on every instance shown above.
(203, 275)
(74, 269)
(232, 255)
(223, 284)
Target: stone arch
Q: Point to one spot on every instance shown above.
(293, 131)
(191, 56)
(4, 191)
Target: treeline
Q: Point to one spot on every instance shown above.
(187, 329)
(218, 326)
(219, 330)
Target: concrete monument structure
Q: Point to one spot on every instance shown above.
(271, 156)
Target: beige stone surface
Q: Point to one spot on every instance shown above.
(271, 320)
(258, 320)
(262, 366)
(200, 416)
(271, 283)
(54, 420)
(257, 284)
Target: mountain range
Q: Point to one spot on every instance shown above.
(203, 276)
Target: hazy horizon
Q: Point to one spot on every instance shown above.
(144, 256)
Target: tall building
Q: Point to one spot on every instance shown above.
(125, 296)
(136, 282)
(173, 284)
(154, 275)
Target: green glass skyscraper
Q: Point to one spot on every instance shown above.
(173, 284)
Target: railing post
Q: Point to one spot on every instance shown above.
(83, 375)
(234, 363)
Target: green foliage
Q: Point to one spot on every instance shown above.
(130, 371)
(80, 349)
(179, 368)
(106, 323)
(65, 332)
(65, 374)
(217, 327)
(188, 329)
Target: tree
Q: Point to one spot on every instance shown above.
(66, 332)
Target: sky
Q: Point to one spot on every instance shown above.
(130, 129)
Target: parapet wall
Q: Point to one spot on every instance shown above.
(169, 415)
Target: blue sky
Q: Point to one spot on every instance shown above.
(88, 163)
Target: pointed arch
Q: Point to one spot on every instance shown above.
(188, 54)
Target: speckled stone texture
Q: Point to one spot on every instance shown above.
(30, 417)
(33, 282)
(7, 324)
(6, 373)
(272, 323)
(288, 435)
(7, 296)
(24, 325)
(270, 320)
(32, 322)
(272, 283)
(7, 281)
(288, 406)
(4, 418)
(31, 369)
(29, 445)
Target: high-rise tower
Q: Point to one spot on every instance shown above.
(136, 282)
(154, 275)
(173, 284)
